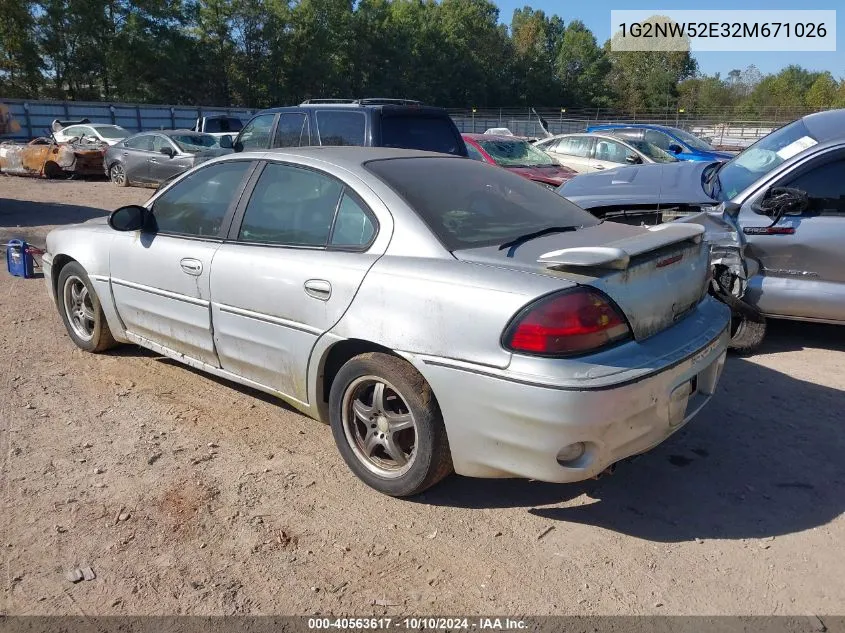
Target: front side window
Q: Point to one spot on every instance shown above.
(196, 205)
(825, 188)
(292, 130)
(160, 142)
(653, 152)
(110, 131)
(341, 128)
(659, 139)
(72, 131)
(256, 133)
(692, 140)
(291, 206)
(142, 142)
(611, 151)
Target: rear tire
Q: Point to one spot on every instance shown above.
(117, 174)
(746, 335)
(387, 425)
(80, 310)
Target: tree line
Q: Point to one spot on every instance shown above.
(453, 53)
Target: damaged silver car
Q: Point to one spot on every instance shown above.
(777, 209)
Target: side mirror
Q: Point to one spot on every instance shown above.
(780, 201)
(129, 218)
(675, 148)
(167, 151)
(238, 146)
(226, 142)
(633, 159)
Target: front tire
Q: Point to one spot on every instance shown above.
(746, 335)
(388, 426)
(81, 312)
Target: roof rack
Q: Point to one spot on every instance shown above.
(386, 101)
(318, 101)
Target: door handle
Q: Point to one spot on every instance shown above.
(318, 288)
(191, 266)
(598, 167)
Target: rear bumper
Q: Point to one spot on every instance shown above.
(504, 427)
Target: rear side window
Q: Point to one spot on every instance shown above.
(197, 205)
(474, 205)
(292, 206)
(432, 134)
(574, 146)
(292, 130)
(341, 128)
(145, 142)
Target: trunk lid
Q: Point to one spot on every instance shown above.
(656, 275)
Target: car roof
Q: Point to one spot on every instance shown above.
(826, 126)
(355, 106)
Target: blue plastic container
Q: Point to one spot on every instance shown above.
(19, 259)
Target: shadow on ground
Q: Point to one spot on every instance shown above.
(764, 458)
(24, 213)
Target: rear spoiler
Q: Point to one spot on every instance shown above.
(617, 255)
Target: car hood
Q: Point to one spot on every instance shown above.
(553, 175)
(660, 184)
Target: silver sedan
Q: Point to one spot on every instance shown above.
(440, 314)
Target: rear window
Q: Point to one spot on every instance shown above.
(341, 128)
(216, 126)
(433, 134)
(475, 204)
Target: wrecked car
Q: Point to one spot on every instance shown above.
(484, 325)
(44, 157)
(780, 205)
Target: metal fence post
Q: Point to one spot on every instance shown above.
(138, 117)
(67, 111)
(28, 120)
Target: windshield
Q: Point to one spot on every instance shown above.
(692, 140)
(725, 181)
(193, 143)
(216, 126)
(111, 131)
(652, 151)
(475, 204)
(516, 153)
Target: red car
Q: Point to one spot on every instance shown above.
(518, 156)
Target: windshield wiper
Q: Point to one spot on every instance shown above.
(519, 241)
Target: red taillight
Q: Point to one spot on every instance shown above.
(571, 322)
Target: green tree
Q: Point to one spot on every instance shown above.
(823, 93)
(20, 64)
(582, 68)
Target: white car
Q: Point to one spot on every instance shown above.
(103, 132)
(594, 152)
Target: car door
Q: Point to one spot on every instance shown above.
(135, 154)
(609, 154)
(256, 134)
(298, 251)
(292, 130)
(162, 166)
(573, 152)
(801, 256)
(160, 277)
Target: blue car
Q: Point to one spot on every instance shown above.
(683, 145)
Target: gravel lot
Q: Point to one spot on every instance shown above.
(190, 495)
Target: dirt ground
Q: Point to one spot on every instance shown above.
(190, 495)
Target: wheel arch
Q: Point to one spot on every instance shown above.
(331, 360)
